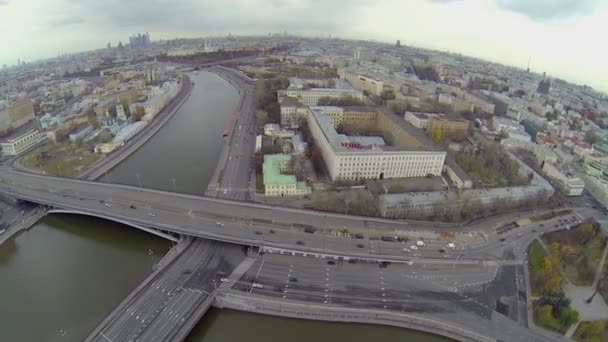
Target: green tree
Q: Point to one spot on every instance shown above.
(261, 117)
(140, 111)
(124, 102)
(438, 135)
(568, 316)
(592, 137)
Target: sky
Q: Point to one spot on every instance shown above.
(565, 38)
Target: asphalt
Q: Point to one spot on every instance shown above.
(200, 216)
(236, 165)
(464, 295)
(172, 300)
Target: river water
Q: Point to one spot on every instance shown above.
(65, 274)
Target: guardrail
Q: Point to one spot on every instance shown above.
(258, 304)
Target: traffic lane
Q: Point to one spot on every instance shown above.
(187, 222)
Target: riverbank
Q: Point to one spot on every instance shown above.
(301, 310)
(28, 220)
(102, 166)
(215, 181)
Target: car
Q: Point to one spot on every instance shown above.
(219, 224)
(358, 236)
(352, 261)
(384, 264)
(187, 271)
(442, 251)
(108, 205)
(405, 249)
(152, 214)
(414, 248)
(300, 242)
(293, 280)
(542, 225)
(450, 245)
(257, 286)
(420, 243)
(360, 245)
(271, 231)
(223, 280)
(257, 232)
(331, 262)
(132, 206)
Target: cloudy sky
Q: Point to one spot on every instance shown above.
(565, 38)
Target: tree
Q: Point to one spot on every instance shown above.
(105, 136)
(438, 135)
(140, 111)
(261, 117)
(592, 137)
(568, 316)
(120, 46)
(124, 102)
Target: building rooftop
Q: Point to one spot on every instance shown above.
(17, 133)
(273, 174)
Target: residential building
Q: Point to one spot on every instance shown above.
(20, 140)
(568, 181)
(420, 120)
(365, 157)
(363, 83)
(449, 126)
(277, 182)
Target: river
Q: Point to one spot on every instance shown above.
(66, 273)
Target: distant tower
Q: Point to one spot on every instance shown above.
(528, 69)
(109, 46)
(398, 44)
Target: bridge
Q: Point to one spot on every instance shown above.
(172, 301)
(217, 219)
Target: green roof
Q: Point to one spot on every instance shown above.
(272, 170)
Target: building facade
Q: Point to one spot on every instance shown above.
(355, 158)
(21, 141)
(449, 126)
(311, 97)
(277, 182)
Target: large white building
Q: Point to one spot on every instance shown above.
(419, 120)
(362, 157)
(311, 97)
(20, 141)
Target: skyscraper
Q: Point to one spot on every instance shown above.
(139, 40)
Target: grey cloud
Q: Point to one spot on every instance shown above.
(442, 1)
(549, 9)
(69, 21)
(226, 15)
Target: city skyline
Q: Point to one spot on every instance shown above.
(557, 35)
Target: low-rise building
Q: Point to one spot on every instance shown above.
(449, 126)
(20, 140)
(80, 133)
(568, 181)
(419, 120)
(457, 175)
(277, 182)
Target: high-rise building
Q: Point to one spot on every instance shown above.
(109, 46)
(139, 40)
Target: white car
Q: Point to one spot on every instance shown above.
(450, 245)
(257, 286)
(152, 214)
(219, 224)
(420, 243)
(406, 249)
(414, 248)
(108, 205)
(223, 280)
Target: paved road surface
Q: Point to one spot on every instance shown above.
(168, 304)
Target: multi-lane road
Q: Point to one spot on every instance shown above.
(235, 181)
(171, 303)
(463, 295)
